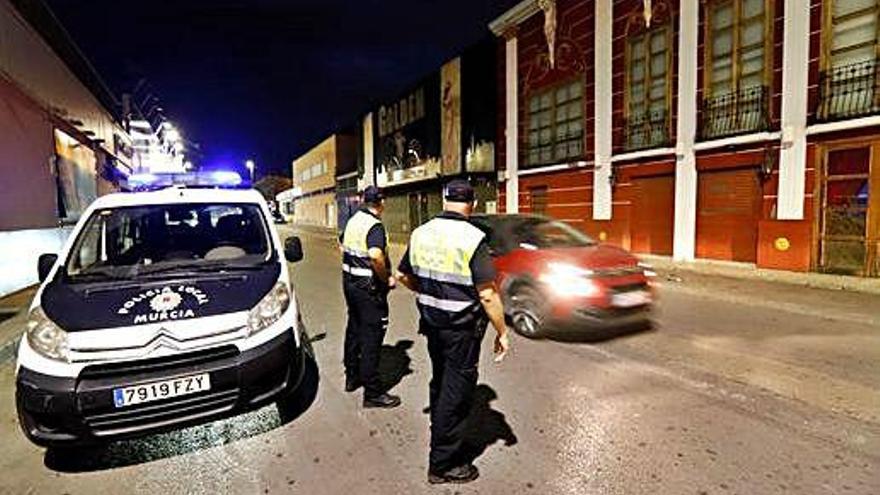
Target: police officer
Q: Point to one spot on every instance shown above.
(366, 282)
(448, 265)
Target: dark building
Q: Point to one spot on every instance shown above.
(441, 128)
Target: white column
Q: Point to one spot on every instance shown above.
(795, 75)
(511, 130)
(602, 133)
(368, 178)
(685, 234)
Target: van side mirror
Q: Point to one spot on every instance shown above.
(45, 264)
(293, 250)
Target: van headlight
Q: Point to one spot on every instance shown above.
(270, 309)
(647, 269)
(45, 337)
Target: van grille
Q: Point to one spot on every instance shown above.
(160, 364)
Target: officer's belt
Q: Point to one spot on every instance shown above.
(357, 272)
(449, 305)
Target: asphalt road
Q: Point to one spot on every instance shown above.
(721, 397)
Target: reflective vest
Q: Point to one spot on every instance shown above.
(355, 257)
(440, 254)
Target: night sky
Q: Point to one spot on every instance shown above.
(268, 79)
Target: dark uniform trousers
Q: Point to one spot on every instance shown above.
(367, 324)
(455, 354)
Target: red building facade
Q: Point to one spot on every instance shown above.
(733, 130)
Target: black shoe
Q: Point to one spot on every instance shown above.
(386, 401)
(352, 384)
(459, 474)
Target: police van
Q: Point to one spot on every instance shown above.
(167, 307)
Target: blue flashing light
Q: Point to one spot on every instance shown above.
(218, 179)
(226, 177)
(142, 179)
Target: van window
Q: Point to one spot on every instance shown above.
(135, 241)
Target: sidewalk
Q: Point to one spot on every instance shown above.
(13, 317)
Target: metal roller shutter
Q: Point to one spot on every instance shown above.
(728, 210)
(653, 214)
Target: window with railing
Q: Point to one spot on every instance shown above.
(648, 98)
(848, 87)
(556, 125)
(736, 98)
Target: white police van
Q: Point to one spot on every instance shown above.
(165, 308)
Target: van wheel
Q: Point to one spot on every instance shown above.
(528, 312)
(298, 401)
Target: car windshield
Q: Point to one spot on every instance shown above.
(144, 241)
(544, 234)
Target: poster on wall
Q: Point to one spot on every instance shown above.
(450, 124)
(407, 136)
(75, 164)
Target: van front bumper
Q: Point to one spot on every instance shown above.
(58, 411)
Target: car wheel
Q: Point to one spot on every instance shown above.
(528, 313)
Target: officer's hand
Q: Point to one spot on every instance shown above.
(502, 345)
(392, 282)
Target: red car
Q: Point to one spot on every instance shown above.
(553, 277)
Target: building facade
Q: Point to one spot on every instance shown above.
(347, 173)
(442, 127)
(62, 143)
(734, 130)
(314, 179)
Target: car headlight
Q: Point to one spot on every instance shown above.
(270, 309)
(569, 280)
(45, 337)
(647, 269)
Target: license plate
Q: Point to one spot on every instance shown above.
(630, 299)
(149, 392)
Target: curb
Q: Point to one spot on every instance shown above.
(745, 271)
(8, 349)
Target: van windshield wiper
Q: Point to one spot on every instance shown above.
(103, 273)
(195, 267)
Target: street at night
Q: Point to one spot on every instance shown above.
(721, 397)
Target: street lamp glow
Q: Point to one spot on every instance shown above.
(250, 166)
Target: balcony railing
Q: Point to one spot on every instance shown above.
(737, 112)
(849, 91)
(647, 130)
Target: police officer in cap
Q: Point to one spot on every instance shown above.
(448, 265)
(366, 281)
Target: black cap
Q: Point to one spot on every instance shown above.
(373, 194)
(459, 191)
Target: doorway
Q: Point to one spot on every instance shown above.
(848, 229)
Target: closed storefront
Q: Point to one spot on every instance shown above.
(728, 210)
(850, 210)
(652, 214)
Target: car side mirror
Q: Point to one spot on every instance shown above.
(293, 250)
(45, 264)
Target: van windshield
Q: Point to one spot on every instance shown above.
(144, 241)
